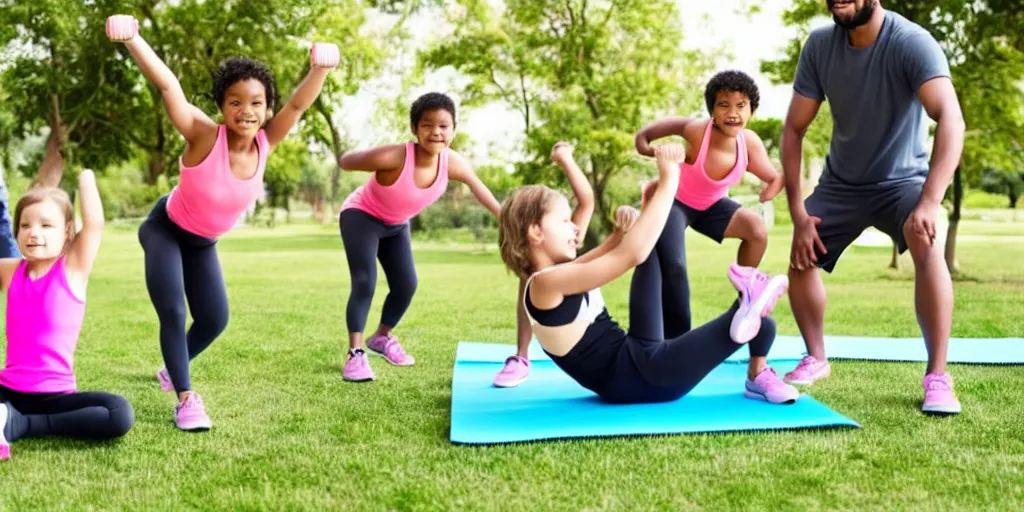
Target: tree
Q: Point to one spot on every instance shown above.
(985, 48)
(770, 132)
(1008, 183)
(60, 73)
(592, 72)
(64, 73)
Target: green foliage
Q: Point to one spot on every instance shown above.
(770, 131)
(125, 195)
(285, 170)
(588, 72)
(58, 59)
(1009, 184)
(59, 50)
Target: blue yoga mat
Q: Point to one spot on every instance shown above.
(550, 405)
(961, 350)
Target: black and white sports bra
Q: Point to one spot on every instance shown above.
(560, 328)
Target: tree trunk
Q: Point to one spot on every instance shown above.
(337, 147)
(157, 166)
(157, 161)
(895, 261)
(954, 222)
(601, 208)
(52, 168)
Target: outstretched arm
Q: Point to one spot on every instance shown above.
(625, 219)
(381, 158)
(562, 155)
(459, 170)
(635, 247)
(322, 57)
(659, 129)
(191, 122)
(82, 253)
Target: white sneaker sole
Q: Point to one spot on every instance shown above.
(746, 323)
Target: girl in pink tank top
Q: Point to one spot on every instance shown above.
(46, 291)
(221, 176)
(405, 179)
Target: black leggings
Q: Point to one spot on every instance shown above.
(83, 415)
(670, 253)
(181, 265)
(367, 239)
(653, 367)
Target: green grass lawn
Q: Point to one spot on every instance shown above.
(290, 434)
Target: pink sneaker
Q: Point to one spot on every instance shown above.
(190, 415)
(357, 368)
(808, 371)
(5, 447)
(388, 347)
(165, 380)
(758, 295)
(769, 387)
(938, 395)
(515, 372)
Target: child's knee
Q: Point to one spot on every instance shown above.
(122, 416)
(759, 232)
(750, 227)
(363, 284)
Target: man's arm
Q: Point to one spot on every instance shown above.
(802, 111)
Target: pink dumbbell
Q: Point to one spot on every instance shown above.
(122, 27)
(324, 55)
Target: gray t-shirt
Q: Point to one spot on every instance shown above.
(878, 131)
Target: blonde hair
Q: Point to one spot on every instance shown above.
(523, 208)
(39, 194)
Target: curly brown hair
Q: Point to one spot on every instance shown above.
(60, 197)
(523, 208)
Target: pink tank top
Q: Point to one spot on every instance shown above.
(209, 199)
(696, 189)
(402, 200)
(43, 321)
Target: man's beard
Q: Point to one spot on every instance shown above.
(860, 17)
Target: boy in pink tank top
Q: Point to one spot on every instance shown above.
(221, 176)
(374, 222)
(46, 291)
(719, 152)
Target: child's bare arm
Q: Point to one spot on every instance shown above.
(562, 155)
(381, 158)
(86, 246)
(459, 170)
(323, 57)
(191, 122)
(634, 248)
(659, 129)
(761, 166)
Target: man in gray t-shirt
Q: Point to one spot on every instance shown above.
(880, 74)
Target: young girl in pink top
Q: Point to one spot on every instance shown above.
(374, 223)
(221, 175)
(46, 291)
(718, 153)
